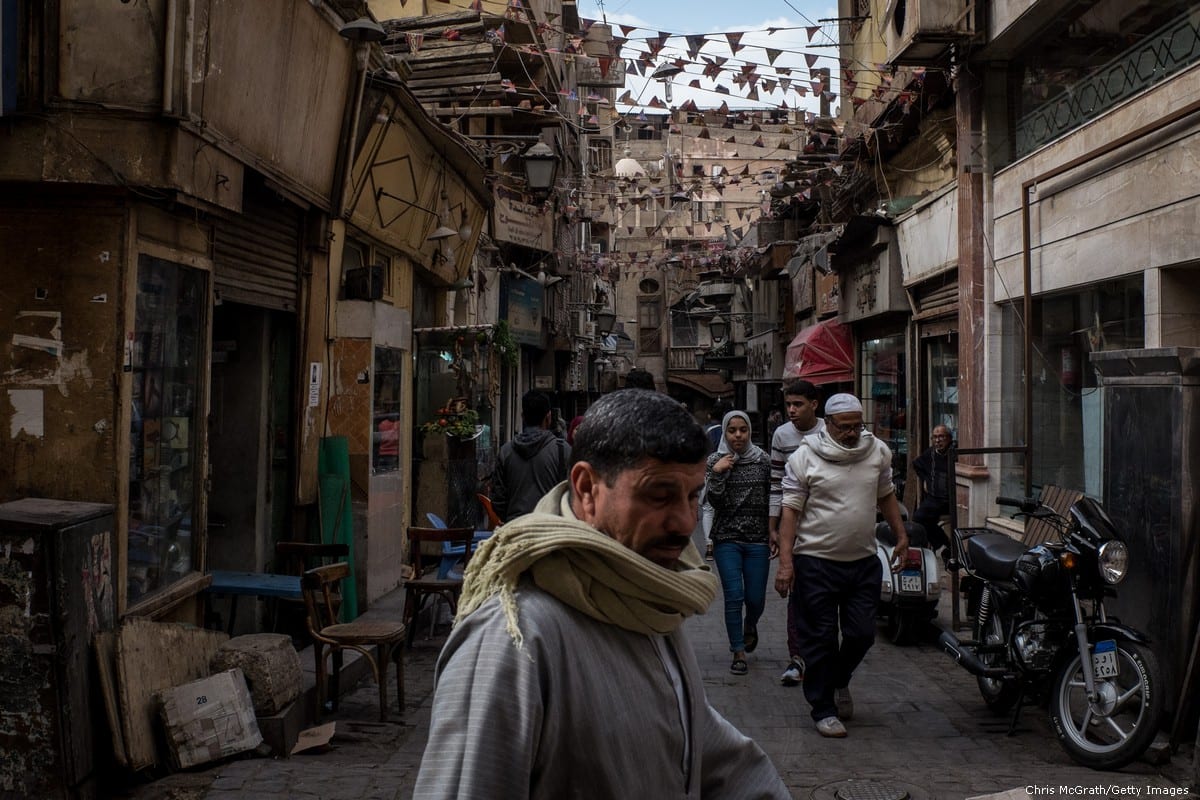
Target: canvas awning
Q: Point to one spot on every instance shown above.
(821, 353)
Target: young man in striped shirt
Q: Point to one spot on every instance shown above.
(801, 401)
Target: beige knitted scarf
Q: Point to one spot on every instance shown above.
(587, 570)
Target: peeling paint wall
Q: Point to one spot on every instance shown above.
(59, 351)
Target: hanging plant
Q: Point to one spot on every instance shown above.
(452, 422)
(504, 344)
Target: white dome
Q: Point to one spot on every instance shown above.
(628, 167)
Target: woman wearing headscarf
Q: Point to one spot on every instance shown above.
(738, 489)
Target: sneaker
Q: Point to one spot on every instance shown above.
(739, 666)
(844, 703)
(794, 673)
(831, 727)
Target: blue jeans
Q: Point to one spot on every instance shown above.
(743, 569)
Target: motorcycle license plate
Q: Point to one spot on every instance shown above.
(910, 581)
(1104, 659)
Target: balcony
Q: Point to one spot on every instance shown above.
(1152, 60)
(683, 359)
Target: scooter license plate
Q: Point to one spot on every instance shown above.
(910, 581)
(1104, 659)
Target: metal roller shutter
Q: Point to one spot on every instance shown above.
(256, 255)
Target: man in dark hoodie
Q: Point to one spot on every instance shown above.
(530, 465)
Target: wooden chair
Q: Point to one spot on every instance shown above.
(494, 520)
(421, 586)
(295, 558)
(330, 637)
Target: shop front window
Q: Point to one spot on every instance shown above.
(941, 360)
(167, 353)
(387, 405)
(1068, 415)
(885, 398)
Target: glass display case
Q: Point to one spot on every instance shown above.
(167, 353)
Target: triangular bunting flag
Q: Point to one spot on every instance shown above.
(810, 59)
(734, 40)
(812, 30)
(772, 54)
(694, 43)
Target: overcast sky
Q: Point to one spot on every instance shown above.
(791, 45)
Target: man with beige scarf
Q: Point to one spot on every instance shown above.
(568, 673)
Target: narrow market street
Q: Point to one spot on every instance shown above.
(919, 727)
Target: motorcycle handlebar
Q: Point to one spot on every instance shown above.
(1026, 504)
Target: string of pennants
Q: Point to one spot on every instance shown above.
(748, 77)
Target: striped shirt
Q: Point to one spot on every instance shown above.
(783, 444)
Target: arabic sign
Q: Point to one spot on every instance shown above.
(522, 223)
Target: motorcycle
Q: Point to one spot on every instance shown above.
(908, 599)
(1041, 631)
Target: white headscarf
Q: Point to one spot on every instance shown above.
(752, 453)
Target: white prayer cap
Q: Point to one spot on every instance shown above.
(842, 404)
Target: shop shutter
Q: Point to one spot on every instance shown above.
(256, 254)
(935, 297)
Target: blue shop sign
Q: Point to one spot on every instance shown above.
(523, 303)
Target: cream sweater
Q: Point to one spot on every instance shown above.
(835, 493)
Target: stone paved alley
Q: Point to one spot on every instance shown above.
(919, 725)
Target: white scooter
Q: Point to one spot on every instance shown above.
(908, 599)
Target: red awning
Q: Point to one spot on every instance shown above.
(821, 353)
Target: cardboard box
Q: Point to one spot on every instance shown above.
(209, 719)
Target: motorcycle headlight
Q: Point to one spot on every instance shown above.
(1114, 561)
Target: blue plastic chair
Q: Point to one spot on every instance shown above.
(450, 552)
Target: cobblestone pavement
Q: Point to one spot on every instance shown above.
(919, 725)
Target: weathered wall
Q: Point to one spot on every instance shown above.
(278, 56)
(928, 237)
(59, 348)
(269, 79)
(1114, 216)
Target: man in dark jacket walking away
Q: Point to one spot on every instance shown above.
(530, 465)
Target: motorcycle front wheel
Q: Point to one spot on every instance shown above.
(1121, 723)
(999, 695)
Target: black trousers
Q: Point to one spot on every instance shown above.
(828, 595)
(927, 514)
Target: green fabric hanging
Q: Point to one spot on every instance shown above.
(337, 517)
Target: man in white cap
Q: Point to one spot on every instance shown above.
(832, 485)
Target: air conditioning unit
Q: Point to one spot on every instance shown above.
(919, 31)
(579, 323)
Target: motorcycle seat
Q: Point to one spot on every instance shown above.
(993, 555)
(915, 531)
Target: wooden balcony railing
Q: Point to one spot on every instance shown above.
(683, 359)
